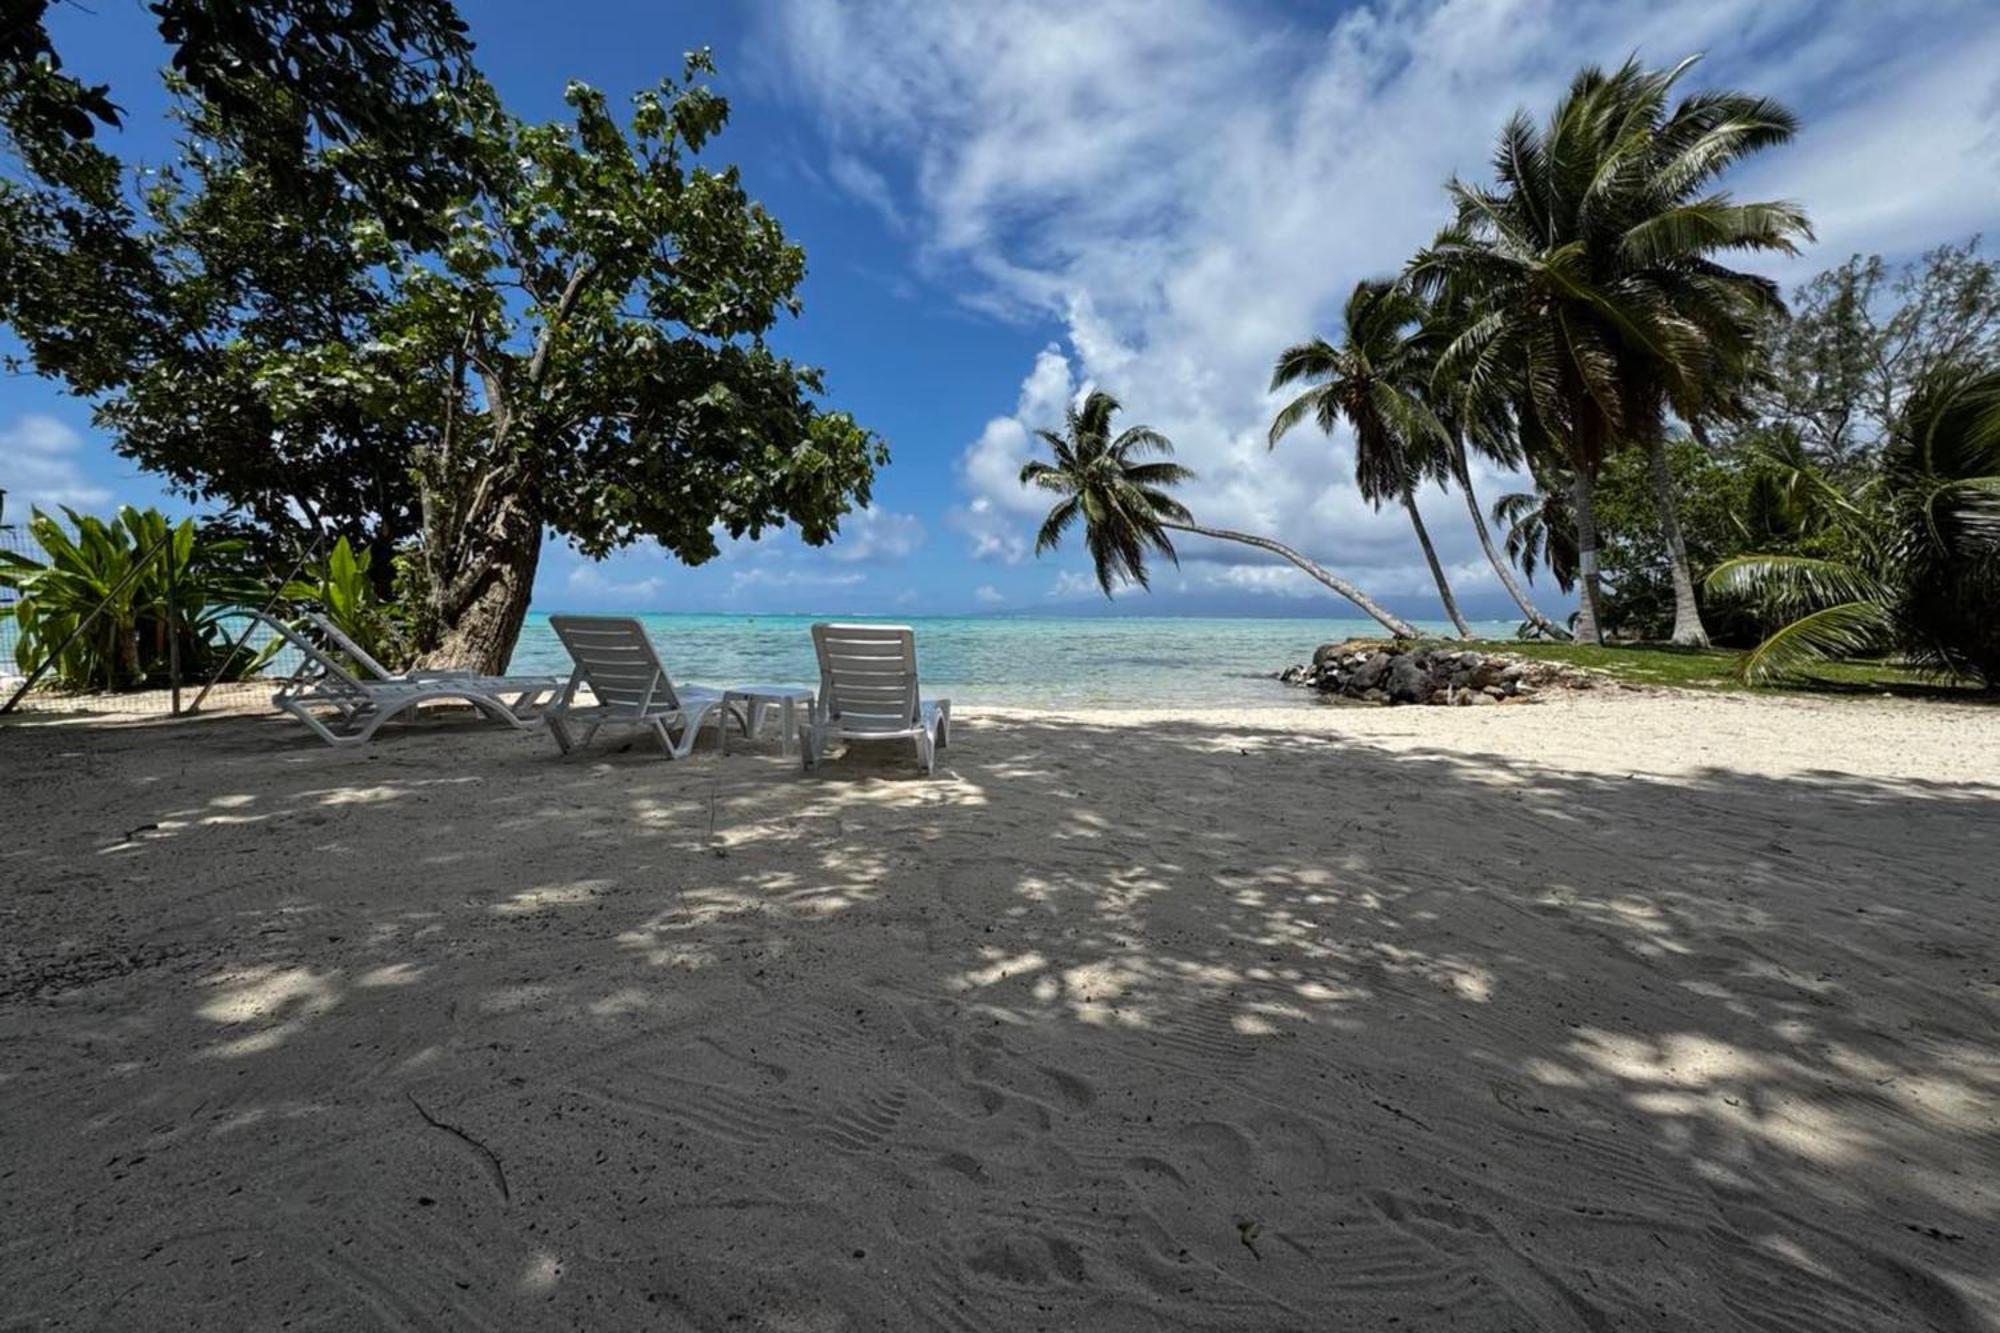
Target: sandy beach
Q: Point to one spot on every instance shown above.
(1613, 1012)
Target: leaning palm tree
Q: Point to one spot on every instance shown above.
(1119, 488)
(1374, 381)
(1919, 568)
(1590, 281)
(1481, 422)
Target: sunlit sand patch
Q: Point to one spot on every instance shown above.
(380, 794)
(542, 1271)
(546, 896)
(1000, 968)
(293, 996)
(391, 974)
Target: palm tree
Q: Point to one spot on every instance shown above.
(1541, 532)
(1119, 487)
(1919, 571)
(1374, 379)
(1486, 421)
(1589, 278)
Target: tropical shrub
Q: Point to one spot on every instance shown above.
(148, 583)
(341, 588)
(1918, 568)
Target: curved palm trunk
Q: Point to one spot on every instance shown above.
(1437, 570)
(1396, 625)
(1583, 490)
(1500, 567)
(1688, 629)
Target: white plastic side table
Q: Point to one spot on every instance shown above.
(763, 697)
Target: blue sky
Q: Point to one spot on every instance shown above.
(1005, 203)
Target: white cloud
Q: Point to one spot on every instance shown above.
(991, 533)
(876, 535)
(592, 582)
(867, 185)
(766, 577)
(1186, 186)
(38, 466)
(1072, 584)
(988, 595)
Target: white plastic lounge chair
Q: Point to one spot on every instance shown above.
(868, 691)
(615, 658)
(344, 708)
(530, 685)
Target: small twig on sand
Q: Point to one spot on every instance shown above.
(499, 1173)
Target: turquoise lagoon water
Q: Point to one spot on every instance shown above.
(1018, 661)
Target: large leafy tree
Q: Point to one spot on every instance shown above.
(220, 321)
(595, 331)
(287, 77)
(1590, 274)
(1375, 379)
(1119, 486)
(564, 330)
(181, 300)
(1919, 570)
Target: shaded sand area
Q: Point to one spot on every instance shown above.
(1609, 1013)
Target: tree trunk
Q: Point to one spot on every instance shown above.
(1688, 629)
(1437, 570)
(1501, 568)
(1397, 626)
(481, 602)
(1583, 488)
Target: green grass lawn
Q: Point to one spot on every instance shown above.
(1715, 668)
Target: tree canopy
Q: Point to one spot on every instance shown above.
(411, 318)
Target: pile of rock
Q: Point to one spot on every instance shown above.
(1392, 673)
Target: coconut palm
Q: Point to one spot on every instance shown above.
(1476, 422)
(1590, 283)
(1119, 487)
(1540, 532)
(1922, 573)
(1374, 380)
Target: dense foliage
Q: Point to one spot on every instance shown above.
(149, 583)
(1915, 565)
(367, 301)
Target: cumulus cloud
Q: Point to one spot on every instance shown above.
(1186, 186)
(38, 465)
(876, 535)
(988, 595)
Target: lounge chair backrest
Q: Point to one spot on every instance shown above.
(868, 676)
(318, 668)
(355, 652)
(615, 658)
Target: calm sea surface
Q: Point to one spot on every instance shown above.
(1012, 661)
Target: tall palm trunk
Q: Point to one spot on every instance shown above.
(1688, 629)
(1396, 625)
(1437, 570)
(1589, 611)
(1501, 568)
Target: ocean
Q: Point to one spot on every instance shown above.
(1017, 661)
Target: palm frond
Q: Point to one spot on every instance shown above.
(1791, 584)
(1845, 629)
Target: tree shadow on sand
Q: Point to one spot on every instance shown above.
(1222, 1026)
